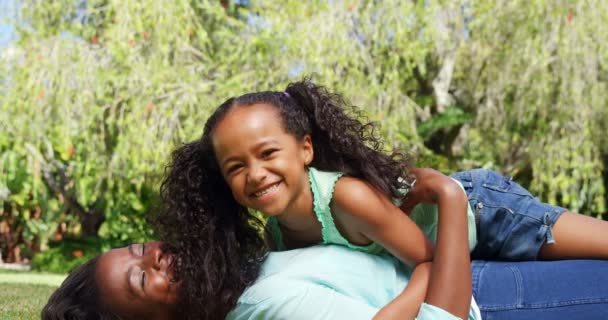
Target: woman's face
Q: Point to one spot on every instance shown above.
(136, 282)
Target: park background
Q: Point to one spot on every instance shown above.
(94, 95)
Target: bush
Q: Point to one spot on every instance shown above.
(97, 93)
(64, 256)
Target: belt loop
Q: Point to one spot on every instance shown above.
(550, 239)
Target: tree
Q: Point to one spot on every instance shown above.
(98, 92)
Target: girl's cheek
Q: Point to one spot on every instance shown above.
(230, 184)
(230, 179)
(236, 182)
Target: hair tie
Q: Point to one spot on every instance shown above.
(286, 94)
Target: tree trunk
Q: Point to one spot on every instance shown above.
(90, 222)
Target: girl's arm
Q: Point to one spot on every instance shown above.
(407, 304)
(377, 219)
(363, 214)
(450, 284)
(431, 186)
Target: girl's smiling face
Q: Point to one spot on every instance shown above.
(262, 163)
(136, 282)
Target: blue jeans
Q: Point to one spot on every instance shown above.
(512, 224)
(566, 289)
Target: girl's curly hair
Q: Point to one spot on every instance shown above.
(341, 141)
(219, 244)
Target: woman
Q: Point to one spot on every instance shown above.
(309, 284)
(101, 289)
(134, 282)
(220, 252)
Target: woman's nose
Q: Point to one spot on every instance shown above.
(154, 258)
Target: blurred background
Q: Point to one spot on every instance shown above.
(94, 95)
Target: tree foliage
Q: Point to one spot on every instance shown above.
(96, 94)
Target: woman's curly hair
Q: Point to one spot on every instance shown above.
(78, 297)
(219, 244)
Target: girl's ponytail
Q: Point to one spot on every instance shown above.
(343, 143)
(320, 108)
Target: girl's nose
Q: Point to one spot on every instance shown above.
(257, 174)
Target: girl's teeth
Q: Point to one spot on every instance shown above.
(263, 192)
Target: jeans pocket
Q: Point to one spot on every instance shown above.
(502, 184)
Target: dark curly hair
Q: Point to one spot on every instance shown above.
(221, 245)
(341, 140)
(218, 244)
(78, 297)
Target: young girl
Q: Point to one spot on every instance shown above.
(320, 176)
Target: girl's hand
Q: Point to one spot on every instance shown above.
(428, 186)
(407, 304)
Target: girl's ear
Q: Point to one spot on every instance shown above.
(307, 150)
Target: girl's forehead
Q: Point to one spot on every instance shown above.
(246, 128)
(245, 120)
(263, 110)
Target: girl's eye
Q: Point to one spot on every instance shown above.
(233, 168)
(268, 153)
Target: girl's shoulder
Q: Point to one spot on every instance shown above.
(359, 198)
(354, 186)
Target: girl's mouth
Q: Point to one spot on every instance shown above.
(266, 191)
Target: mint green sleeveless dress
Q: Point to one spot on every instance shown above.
(322, 185)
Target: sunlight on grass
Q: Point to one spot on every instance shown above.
(24, 293)
(49, 279)
(22, 301)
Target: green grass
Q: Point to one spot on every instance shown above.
(23, 294)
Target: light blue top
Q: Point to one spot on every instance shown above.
(328, 283)
(322, 186)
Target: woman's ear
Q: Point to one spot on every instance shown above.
(307, 150)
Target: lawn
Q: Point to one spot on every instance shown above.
(24, 293)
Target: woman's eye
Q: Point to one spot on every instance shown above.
(143, 279)
(140, 249)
